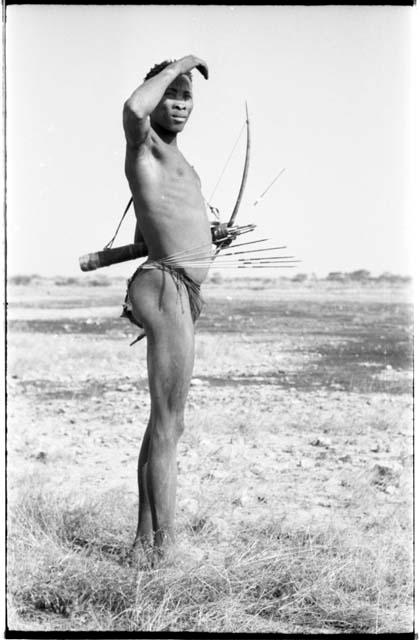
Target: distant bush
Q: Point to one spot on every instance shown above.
(300, 277)
(393, 278)
(337, 276)
(98, 281)
(63, 281)
(360, 275)
(23, 279)
(69, 281)
(258, 283)
(363, 275)
(216, 278)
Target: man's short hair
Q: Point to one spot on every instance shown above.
(160, 67)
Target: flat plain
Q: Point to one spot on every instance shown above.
(295, 468)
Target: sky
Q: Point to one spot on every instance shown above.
(329, 91)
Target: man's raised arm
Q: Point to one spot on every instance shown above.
(147, 96)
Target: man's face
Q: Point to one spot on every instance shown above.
(175, 107)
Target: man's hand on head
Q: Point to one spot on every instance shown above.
(203, 69)
(188, 63)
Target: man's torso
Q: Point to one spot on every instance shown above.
(169, 206)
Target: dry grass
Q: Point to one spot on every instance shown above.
(68, 569)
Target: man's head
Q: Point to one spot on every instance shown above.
(176, 104)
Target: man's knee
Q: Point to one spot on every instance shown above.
(168, 429)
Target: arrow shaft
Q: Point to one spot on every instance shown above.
(268, 188)
(237, 253)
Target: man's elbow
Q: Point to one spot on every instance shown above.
(134, 110)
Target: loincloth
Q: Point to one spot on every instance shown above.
(179, 277)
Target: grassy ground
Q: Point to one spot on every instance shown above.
(295, 471)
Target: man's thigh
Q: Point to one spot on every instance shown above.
(163, 309)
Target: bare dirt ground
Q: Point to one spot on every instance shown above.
(300, 407)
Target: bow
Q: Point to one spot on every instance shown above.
(225, 233)
(245, 171)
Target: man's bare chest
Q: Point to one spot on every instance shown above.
(162, 167)
(175, 167)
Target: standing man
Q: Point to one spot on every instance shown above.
(163, 296)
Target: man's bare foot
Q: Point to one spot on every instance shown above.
(181, 555)
(141, 556)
